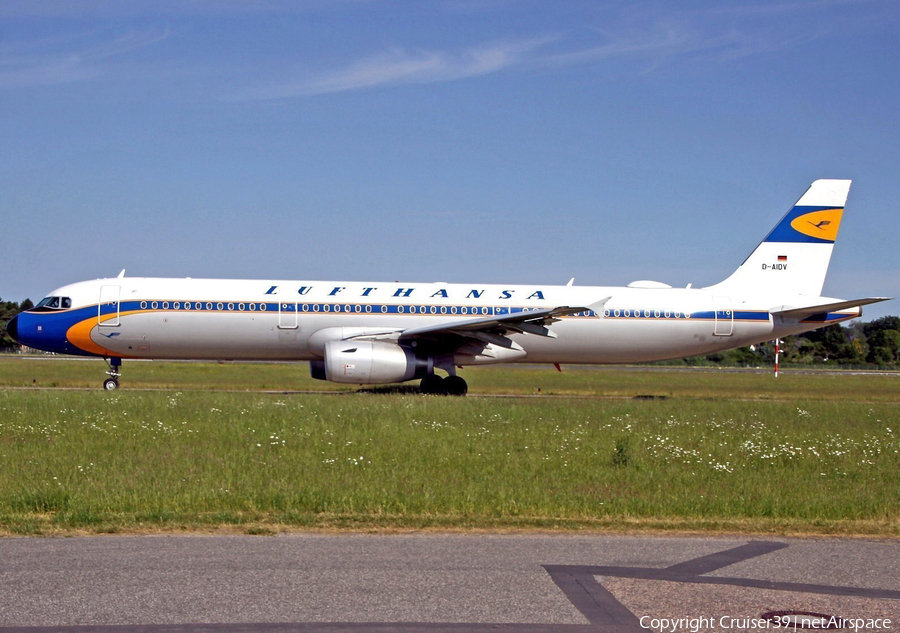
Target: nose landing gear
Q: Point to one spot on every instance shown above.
(115, 370)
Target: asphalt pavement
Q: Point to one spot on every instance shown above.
(444, 583)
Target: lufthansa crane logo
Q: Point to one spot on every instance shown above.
(822, 224)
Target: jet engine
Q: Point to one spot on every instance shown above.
(368, 362)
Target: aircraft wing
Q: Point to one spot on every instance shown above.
(800, 313)
(528, 322)
(471, 336)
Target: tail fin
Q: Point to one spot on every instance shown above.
(794, 256)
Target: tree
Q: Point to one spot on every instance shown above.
(884, 323)
(830, 343)
(884, 347)
(9, 309)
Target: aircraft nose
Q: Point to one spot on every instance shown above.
(12, 328)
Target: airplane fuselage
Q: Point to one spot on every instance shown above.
(278, 320)
(390, 332)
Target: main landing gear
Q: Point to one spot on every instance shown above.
(115, 370)
(449, 386)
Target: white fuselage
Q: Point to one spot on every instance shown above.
(277, 320)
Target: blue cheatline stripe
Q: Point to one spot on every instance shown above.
(160, 305)
(651, 315)
(374, 309)
(416, 310)
(323, 308)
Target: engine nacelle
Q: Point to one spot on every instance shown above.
(368, 362)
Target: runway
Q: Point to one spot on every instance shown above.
(439, 582)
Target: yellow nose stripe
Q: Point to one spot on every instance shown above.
(819, 224)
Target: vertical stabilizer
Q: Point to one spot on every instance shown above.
(794, 256)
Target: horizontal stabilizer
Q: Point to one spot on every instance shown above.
(799, 313)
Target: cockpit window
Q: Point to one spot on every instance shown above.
(54, 303)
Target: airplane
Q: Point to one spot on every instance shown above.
(382, 333)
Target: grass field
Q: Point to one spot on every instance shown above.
(205, 450)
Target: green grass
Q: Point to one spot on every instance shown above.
(724, 452)
(51, 372)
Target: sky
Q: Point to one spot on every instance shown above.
(472, 141)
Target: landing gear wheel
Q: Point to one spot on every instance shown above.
(455, 386)
(115, 370)
(432, 385)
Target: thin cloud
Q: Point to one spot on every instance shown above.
(654, 45)
(768, 9)
(663, 40)
(20, 67)
(674, 40)
(400, 66)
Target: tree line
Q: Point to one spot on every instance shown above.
(873, 344)
(9, 309)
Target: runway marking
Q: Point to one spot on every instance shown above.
(600, 607)
(593, 600)
(578, 583)
(712, 562)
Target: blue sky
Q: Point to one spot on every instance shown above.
(452, 140)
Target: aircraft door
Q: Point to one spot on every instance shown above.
(724, 316)
(287, 315)
(108, 310)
